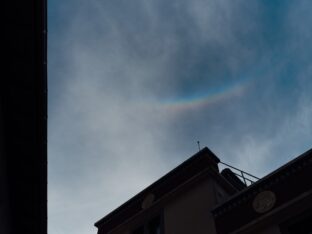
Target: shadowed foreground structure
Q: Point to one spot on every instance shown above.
(197, 198)
(23, 120)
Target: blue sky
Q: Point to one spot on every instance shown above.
(134, 84)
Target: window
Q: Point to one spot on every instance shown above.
(139, 230)
(152, 226)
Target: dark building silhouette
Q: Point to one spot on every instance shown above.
(23, 119)
(196, 198)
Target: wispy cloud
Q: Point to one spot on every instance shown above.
(113, 66)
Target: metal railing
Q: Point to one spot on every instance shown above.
(245, 176)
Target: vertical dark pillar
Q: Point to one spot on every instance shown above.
(23, 120)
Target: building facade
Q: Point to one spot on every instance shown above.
(197, 198)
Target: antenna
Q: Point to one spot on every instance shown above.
(198, 143)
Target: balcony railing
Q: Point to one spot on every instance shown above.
(246, 177)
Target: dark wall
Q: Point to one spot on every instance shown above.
(23, 120)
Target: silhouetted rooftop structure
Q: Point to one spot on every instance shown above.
(196, 198)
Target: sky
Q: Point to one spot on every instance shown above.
(133, 85)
